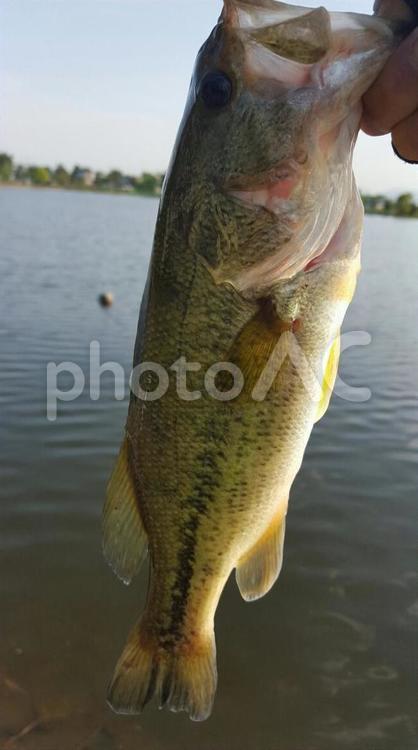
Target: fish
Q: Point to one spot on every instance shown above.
(254, 264)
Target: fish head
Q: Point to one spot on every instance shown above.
(263, 160)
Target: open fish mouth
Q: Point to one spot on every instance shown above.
(294, 46)
(273, 189)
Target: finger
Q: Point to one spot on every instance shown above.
(399, 11)
(405, 139)
(394, 96)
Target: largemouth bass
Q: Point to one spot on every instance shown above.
(255, 261)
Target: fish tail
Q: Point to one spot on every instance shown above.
(182, 677)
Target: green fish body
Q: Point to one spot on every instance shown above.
(255, 262)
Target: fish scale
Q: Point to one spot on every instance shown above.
(236, 277)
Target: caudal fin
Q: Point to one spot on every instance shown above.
(182, 678)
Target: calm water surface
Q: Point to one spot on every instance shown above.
(328, 660)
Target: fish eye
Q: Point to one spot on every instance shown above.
(216, 90)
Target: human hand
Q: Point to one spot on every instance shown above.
(391, 104)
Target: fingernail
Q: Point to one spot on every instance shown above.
(399, 155)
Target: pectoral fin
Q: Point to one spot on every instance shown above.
(330, 375)
(256, 343)
(125, 541)
(258, 571)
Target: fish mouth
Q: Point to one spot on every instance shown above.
(273, 189)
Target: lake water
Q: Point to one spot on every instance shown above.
(328, 660)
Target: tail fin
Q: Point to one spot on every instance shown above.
(182, 679)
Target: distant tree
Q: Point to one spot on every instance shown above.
(148, 183)
(114, 179)
(75, 174)
(21, 173)
(39, 175)
(405, 205)
(100, 180)
(367, 202)
(61, 176)
(6, 167)
(380, 203)
(374, 204)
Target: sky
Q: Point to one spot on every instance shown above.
(103, 83)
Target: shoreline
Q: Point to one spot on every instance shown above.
(74, 189)
(138, 194)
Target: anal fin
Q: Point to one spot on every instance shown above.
(260, 568)
(125, 542)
